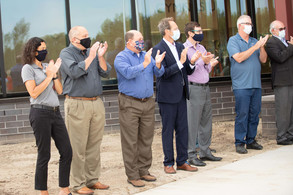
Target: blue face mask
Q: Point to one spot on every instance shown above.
(198, 37)
(176, 35)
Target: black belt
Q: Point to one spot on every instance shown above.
(45, 107)
(199, 84)
(137, 99)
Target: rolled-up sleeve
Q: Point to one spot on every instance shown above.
(104, 73)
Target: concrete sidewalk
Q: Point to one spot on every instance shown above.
(269, 173)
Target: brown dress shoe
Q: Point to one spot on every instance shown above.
(100, 186)
(85, 190)
(136, 182)
(187, 167)
(148, 177)
(169, 169)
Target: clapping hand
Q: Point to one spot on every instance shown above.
(52, 68)
(102, 49)
(206, 57)
(147, 58)
(262, 41)
(195, 57)
(159, 58)
(94, 49)
(214, 62)
(183, 55)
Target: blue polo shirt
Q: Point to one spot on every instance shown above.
(133, 79)
(244, 75)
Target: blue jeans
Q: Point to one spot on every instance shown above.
(247, 108)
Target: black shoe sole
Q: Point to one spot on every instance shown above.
(208, 159)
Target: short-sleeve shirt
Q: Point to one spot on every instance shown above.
(247, 74)
(49, 96)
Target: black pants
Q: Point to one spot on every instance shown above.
(47, 124)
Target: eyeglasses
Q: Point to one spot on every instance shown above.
(280, 29)
(199, 31)
(247, 23)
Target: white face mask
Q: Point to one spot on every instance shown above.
(176, 35)
(282, 34)
(247, 29)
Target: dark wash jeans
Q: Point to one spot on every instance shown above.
(47, 124)
(247, 108)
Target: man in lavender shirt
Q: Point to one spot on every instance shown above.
(199, 108)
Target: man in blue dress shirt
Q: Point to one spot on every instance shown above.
(246, 55)
(135, 73)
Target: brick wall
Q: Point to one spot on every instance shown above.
(269, 128)
(15, 127)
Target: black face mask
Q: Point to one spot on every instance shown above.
(86, 42)
(41, 55)
(198, 37)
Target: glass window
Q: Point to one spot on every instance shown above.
(30, 18)
(105, 21)
(211, 17)
(150, 12)
(236, 8)
(264, 9)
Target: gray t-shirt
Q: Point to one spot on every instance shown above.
(49, 96)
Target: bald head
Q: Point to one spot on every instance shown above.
(76, 32)
(275, 26)
(132, 34)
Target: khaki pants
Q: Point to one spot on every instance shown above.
(85, 120)
(137, 132)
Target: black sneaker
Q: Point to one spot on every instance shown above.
(254, 145)
(285, 142)
(241, 149)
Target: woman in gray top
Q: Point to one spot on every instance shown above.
(43, 85)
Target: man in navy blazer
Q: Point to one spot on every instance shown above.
(171, 94)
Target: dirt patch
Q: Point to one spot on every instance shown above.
(17, 163)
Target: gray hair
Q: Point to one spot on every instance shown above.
(241, 19)
(164, 24)
(272, 26)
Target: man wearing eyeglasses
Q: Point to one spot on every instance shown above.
(281, 54)
(199, 107)
(246, 55)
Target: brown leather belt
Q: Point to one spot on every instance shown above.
(137, 99)
(82, 98)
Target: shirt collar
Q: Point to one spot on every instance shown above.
(239, 37)
(282, 39)
(77, 49)
(131, 52)
(189, 44)
(168, 43)
(37, 67)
